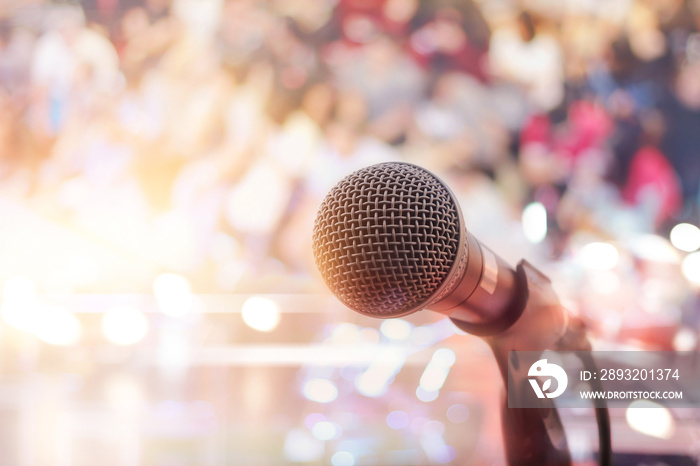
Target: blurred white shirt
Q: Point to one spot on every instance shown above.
(56, 62)
(537, 65)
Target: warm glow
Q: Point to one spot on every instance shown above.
(173, 294)
(57, 326)
(599, 256)
(124, 325)
(20, 305)
(260, 313)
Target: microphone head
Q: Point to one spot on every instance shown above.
(386, 238)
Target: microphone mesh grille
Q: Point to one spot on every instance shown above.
(386, 237)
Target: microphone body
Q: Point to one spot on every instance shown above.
(391, 240)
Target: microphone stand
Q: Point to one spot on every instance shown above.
(535, 436)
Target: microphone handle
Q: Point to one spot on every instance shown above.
(532, 436)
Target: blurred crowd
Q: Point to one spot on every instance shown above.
(197, 138)
(236, 116)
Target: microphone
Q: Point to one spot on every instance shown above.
(390, 240)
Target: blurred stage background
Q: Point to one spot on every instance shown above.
(161, 163)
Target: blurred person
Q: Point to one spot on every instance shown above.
(587, 126)
(16, 47)
(296, 66)
(460, 114)
(629, 86)
(297, 142)
(70, 63)
(93, 156)
(104, 12)
(390, 82)
(681, 111)
(450, 36)
(244, 119)
(312, 18)
(626, 137)
(145, 34)
(652, 183)
(17, 159)
(279, 167)
(589, 203)
(241, 33)
(157, 10)
(138, 109)
(199, 18)
(552, 149)
(525, 53)
(347, 146)
(647, 39)
(622, 78)
(677, 21)
(16, 156)
(362, 21)
(192, 87)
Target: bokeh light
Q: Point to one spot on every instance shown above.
(398, 420)
(57, 326)
(375, 380)
(436, 371)
(162, 162)
(124, 325)
(686, 339)
(20, 304)
(173, 294)
(325, 430)
(534, 220)
(426, 395)
(301, 447)
(261, 313)
(599, 256)
(685, 237)
(396, 329)
(343, 458)
(650, 418)
(320, 390)
(691, 268)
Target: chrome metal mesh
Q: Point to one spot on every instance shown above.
(386, 237)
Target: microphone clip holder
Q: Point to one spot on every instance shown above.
(535, 321)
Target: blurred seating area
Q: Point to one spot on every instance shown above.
(167, 157)
(234, 118)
